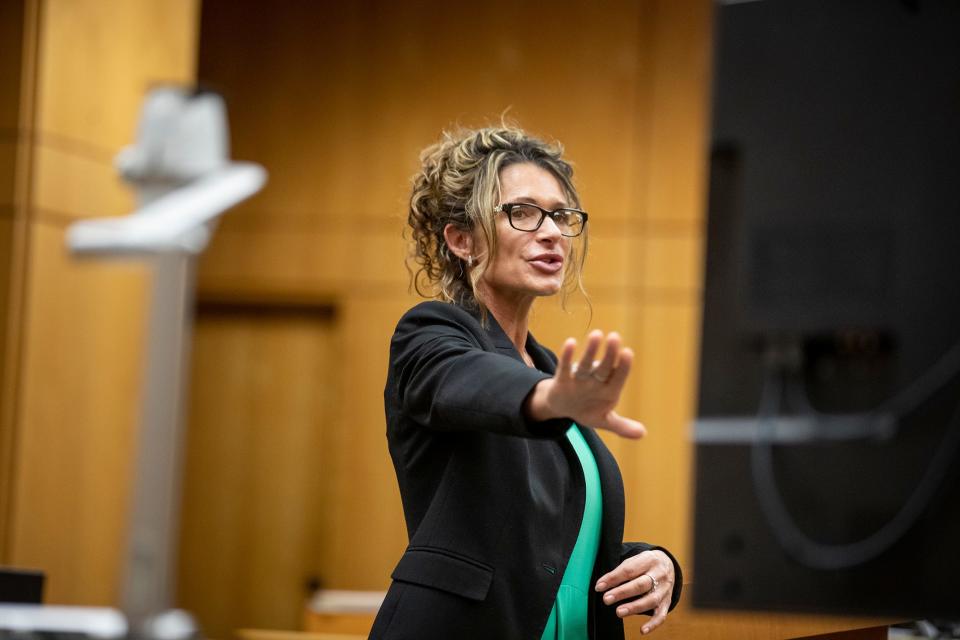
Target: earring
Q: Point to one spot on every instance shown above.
(469, 261)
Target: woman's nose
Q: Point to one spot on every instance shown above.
(549, 229)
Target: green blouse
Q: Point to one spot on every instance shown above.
(568, 619)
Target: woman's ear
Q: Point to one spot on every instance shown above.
(459, 240)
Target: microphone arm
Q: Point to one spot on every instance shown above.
(184, 181)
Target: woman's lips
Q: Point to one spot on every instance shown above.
(547, 264)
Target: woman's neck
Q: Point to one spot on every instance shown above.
(513, 316)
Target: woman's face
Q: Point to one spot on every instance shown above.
(528, 263)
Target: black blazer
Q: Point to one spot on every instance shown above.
(492, 506)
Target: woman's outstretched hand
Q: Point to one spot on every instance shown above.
(587, 390)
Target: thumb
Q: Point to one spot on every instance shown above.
(624, 427)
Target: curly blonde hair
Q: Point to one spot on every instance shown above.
(459, 183)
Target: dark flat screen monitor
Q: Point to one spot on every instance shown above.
(828, 420)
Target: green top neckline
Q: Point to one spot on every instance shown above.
(569, 616)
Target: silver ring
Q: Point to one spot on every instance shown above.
(580, 374)
(654, 583)
(599, 379)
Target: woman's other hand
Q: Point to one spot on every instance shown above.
(649, 575)
(587, 390)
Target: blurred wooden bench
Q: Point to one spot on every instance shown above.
(687, 623)
(334, 611)
(349, 615)
(267, 634)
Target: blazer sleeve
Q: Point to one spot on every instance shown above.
(631, 549)
(446, 380)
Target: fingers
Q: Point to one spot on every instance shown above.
(619, 375)
(565, 364)
(588, 389)
(631, 568)
(585, 366)
(629, 603)
(650, 602)
(624, 427)
(640, 584)
(659, 615)
(638, 596)
(604, 369)
(588, 367)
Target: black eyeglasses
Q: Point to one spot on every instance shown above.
(524, 216)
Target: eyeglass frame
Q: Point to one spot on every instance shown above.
(506, 207)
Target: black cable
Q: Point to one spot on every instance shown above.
(796, 542)
(875, 423)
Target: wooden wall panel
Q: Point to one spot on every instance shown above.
(672, 263)
(8, 163)
(366, 526)
(671, 278)
(18, 33)
(337, 101)
(11, 61)
(79, 325)
(98, 59)
(678, 124)
(73, 181)
(257, 472)
(6, 240)
(612, 264)
(78, 405)
(7, 391)
(658, 502)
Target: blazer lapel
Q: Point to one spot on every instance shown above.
(500, 341)
(541, 357)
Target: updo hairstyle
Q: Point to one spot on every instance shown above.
(459, 183)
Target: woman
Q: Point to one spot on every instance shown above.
(513, 505)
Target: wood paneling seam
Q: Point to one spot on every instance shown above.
(58, 142)
(53, 218)
(75, 147)
(257, 219)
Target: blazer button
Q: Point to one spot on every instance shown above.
(552, 570)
